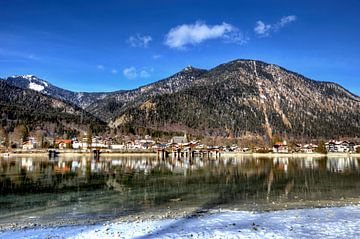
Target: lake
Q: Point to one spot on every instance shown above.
(80, 189)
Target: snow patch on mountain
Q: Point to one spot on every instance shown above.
(28, 77)
(36, 87)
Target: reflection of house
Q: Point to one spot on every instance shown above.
(281, 163)
(63, 143)
(280, 147)
(27, 163)
(341, 164)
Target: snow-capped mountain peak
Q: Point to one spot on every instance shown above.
(34, 83)
(28, 82)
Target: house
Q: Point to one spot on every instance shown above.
(280, 147)
(330, 146)
(179, 139)
(117, 146)
(352, 147)
(144, 143)
(340, 146)
(29, 144)
(309, 148)
(64, 143)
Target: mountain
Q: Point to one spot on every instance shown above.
(38, 111)
(117, 102)
(81, 99)
(237, 98)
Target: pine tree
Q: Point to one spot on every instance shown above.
(321, 147)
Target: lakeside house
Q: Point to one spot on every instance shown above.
(309, 148)
(280, 147)
(179, 139)
(63, 143)
(334, 146)
(29, 144)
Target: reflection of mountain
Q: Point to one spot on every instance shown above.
(243, 179)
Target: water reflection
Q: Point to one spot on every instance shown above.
(340, 165)
(14, 170)
(113, 186)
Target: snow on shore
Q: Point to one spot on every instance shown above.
(342, 222)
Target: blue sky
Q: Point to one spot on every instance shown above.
(111, 45)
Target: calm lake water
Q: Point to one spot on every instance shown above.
(81, 189)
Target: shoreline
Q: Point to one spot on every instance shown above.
(152, 153)
(294, 223)
(171, 210)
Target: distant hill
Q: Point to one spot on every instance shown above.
(81, 99)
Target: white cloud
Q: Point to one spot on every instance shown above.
(139, 41)
(264, 30)
(114, 71)
(192, 34)
(100, 67)
(284, 21)
(130, 72)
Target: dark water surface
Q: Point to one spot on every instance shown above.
(80, 189)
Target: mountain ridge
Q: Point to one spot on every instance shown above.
(82, 99)
(230, 100)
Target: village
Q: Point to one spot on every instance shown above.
(177, 146)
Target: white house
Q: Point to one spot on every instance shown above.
(29, 144)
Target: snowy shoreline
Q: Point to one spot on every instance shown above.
(332, 222)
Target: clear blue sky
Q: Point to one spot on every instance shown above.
(111, 45)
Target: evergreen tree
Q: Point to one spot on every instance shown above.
(321, 147)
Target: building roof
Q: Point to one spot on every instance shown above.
(65, 141)
(280, 143)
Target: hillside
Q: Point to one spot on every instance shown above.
(115, 103)
(248, 96)
(39, 111)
